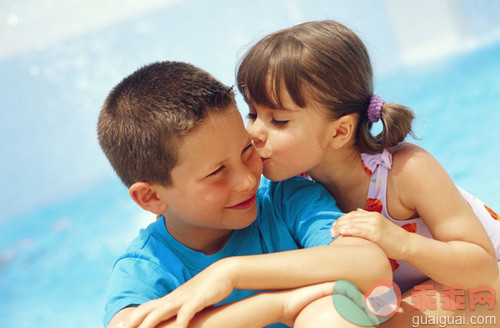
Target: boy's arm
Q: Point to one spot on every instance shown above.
(346, 258)
(257, 311)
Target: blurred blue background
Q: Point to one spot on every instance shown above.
(65, 217)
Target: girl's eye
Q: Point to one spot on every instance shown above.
(252, 116)
(279, 123)
(219, 170)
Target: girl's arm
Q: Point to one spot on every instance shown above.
(461, 252)
(345, 258)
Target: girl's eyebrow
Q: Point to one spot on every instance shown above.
(286, 109)
(249, 103)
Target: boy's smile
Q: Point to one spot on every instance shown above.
(214, 183)
(245, 204)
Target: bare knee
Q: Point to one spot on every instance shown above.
(321, 313)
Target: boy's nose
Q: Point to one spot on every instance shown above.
(246, 180)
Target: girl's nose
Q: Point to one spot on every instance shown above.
(257, 132)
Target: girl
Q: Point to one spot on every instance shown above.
(311, 109)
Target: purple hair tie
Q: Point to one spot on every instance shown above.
(375, 108)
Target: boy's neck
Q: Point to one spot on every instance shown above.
(205, 241)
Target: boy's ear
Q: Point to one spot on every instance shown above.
(146, 196)
(342, 131)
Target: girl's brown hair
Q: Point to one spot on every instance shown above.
(327, 63)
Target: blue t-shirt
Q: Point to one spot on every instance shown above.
(293, 214)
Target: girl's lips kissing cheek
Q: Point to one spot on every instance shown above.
(264, 155)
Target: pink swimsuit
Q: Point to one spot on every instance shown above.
(405, 275)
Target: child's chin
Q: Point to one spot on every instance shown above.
(246, 220)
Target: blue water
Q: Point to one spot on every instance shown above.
(456, 101)
(65, 217)
(54, 262)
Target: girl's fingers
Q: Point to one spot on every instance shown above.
(184, 316)
(137, 317)
(151, 313)
(156, 316)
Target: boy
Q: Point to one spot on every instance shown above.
(176, 139)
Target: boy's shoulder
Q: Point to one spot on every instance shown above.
(267, 184)
(299, 207)
(147, 241)
(291, 185)
(295, 191)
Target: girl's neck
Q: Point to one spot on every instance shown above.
(342, 174)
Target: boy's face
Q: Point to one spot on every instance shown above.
(291, 140)
(216, 179)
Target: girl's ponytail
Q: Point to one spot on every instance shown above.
(396, 125)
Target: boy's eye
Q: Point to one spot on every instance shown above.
(219, 170)
(279, 123)
(247, 152)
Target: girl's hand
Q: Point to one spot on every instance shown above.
(374, 227)
(208, 287)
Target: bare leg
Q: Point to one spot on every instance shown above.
(481, 316)
(321, 313)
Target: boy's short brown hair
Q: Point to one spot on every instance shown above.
(147, 114)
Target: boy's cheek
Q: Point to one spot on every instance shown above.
(257, 164)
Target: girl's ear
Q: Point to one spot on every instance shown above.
(146, 196)
(343, 131)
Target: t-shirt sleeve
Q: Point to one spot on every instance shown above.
(308, 209)
(135, 281)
